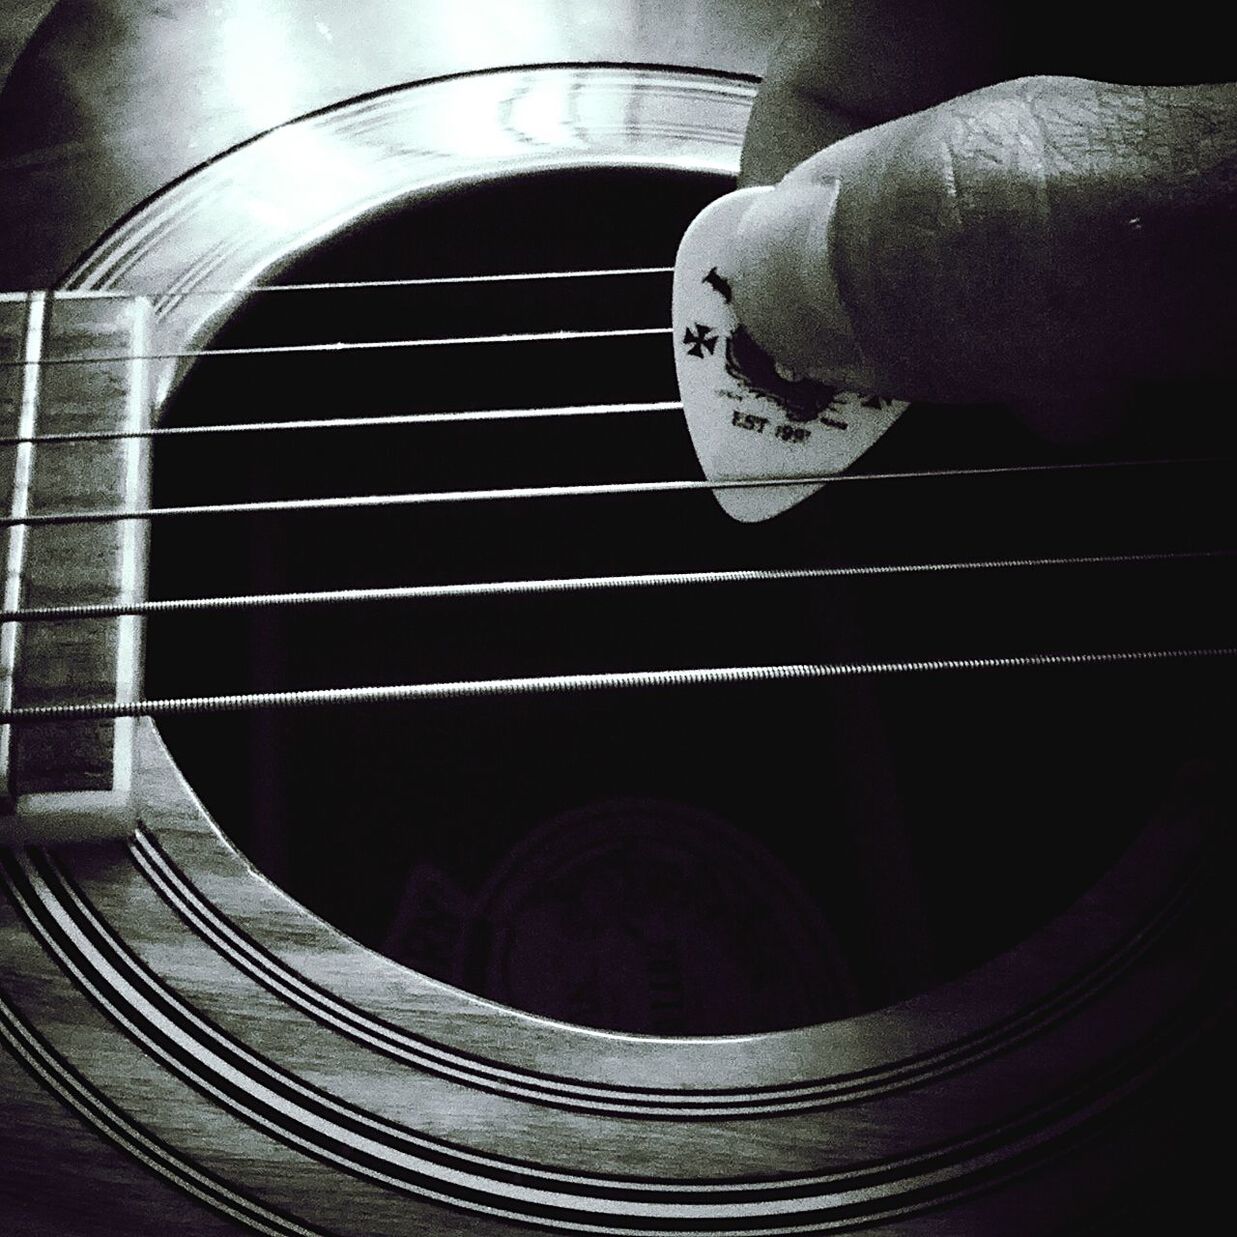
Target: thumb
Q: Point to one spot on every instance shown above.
(1039, 241)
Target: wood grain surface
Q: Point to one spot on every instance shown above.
(188, 1048)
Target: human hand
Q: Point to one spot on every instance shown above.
(1047, 241)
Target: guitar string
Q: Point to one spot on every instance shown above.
(339, 346)
(583, 584)
(443, 417)
(360, 422)
(347, 285)
(535, 492)
(575, 684)
(424, 281)
(357, 285)
(412, 418)
(500, 587)
(508, 587)
(539, 684)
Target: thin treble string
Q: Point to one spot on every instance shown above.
(574, 684)
(337, 346)
(368, 422)
(170, 294)
(349, 285)
(428, 281)
(535, 492)
(583, 584)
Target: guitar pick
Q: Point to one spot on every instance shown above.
(749, 417)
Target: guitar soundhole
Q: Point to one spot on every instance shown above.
(697, 861)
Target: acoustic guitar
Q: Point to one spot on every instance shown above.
(427, 812)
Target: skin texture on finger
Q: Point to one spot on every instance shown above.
(1041, 235)
(845, 65)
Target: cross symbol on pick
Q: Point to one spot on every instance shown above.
(701, 338)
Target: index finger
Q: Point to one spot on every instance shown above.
(845, 65)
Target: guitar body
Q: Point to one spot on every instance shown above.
(188, 1048)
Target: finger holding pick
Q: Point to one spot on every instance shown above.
(749, 417)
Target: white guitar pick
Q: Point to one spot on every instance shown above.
(750, 419)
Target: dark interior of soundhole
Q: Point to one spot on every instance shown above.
(690, 861)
